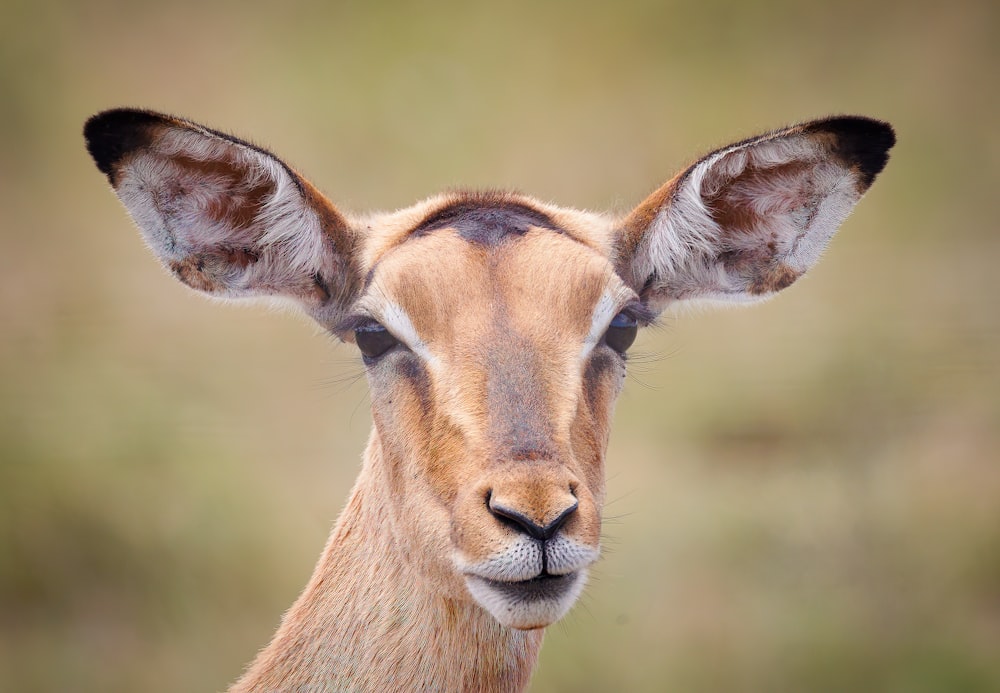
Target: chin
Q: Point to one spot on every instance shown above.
(528, 604)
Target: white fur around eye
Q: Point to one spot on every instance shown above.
(394, 318)
(607, 307)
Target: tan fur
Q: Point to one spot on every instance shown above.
(420, 497)
(368, 621)
(478, 508)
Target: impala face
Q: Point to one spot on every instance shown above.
(494, 360)
(494, 328)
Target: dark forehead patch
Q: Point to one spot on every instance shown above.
(485, 219)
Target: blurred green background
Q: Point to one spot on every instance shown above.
(805, 495)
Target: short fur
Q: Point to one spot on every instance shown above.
(478, 508)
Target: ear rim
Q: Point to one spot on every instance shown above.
(860, 143)
(103, 133)
(115, 135)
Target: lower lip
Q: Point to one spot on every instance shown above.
(548, 587)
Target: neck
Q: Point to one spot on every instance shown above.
(367, 621)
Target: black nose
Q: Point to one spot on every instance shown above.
(522, 523)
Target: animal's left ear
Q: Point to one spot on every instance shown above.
(748, 220)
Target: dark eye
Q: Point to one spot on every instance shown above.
(374, 340)
(621, 332)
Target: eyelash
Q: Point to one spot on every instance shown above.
(373, 340)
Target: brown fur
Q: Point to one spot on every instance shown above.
(491, 423)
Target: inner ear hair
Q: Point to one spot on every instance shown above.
(227, 217)
(747, 220)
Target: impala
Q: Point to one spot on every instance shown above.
(494, 330)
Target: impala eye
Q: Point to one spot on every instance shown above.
(374, 340)
(621, 332)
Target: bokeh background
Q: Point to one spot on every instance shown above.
(805, 495)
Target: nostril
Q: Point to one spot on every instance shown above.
(516, 520)
(522, 523)
(557, 523)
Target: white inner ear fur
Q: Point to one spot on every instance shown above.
(173, 204)
(798, 210)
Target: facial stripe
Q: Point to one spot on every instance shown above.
(516, 399)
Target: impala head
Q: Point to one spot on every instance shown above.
(494, 329)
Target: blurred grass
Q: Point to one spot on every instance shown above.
(805, 495)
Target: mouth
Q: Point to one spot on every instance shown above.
(544, 586)
(528, 604)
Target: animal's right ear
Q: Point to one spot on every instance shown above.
(226, 217)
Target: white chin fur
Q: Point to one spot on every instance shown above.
(530, 604)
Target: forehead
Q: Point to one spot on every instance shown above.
(475, 264)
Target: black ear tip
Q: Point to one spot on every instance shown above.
(863, 142)
(111, 135)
